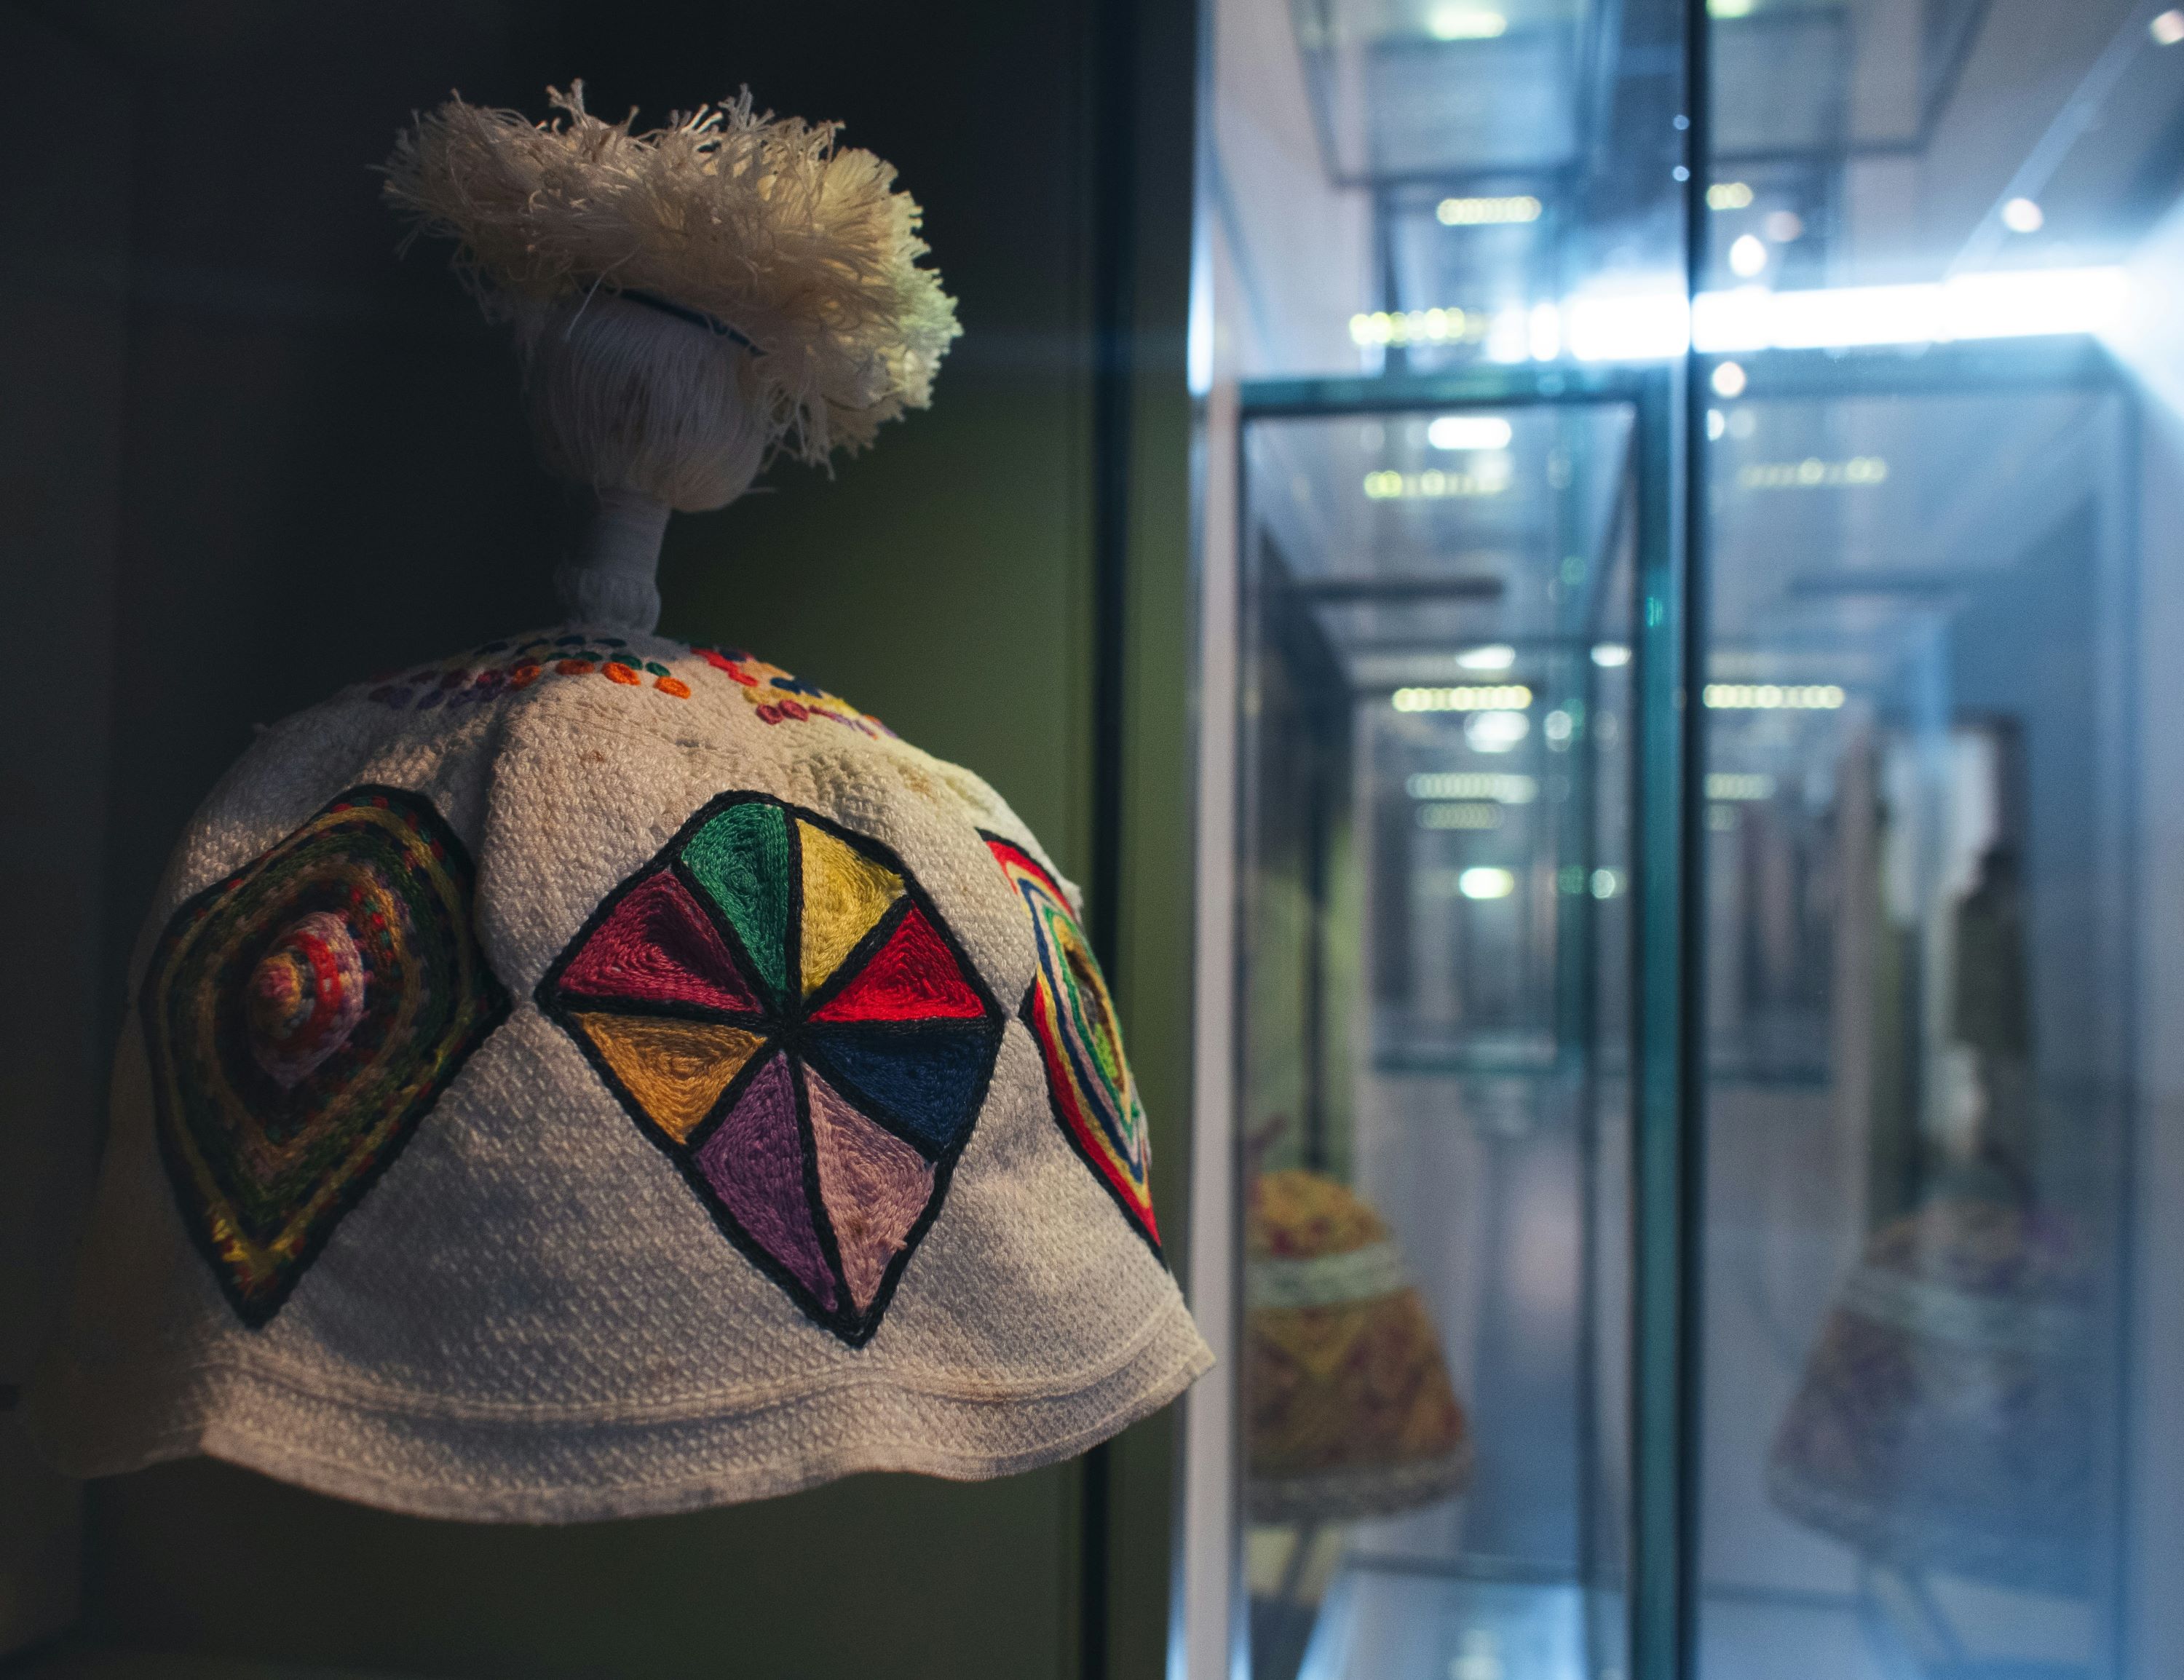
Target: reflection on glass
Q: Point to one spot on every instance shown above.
(1918, 955)
(1936, 398)
(1351, 1411)
(1433, 1056)
(1921, 948)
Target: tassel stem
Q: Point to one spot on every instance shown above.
(611, 581)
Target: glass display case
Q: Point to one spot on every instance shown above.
(1687, 843)
(1436, 854)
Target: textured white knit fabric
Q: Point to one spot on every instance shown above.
(530, 1316)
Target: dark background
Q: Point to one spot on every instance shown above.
(247, 456)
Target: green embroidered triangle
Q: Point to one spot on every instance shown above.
(741, 858)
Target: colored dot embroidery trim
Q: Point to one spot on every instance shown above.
(772, 693)
(775, 695)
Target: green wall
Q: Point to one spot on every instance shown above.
(323, 474)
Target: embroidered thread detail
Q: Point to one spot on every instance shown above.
(780, 698)
(1073, 1018)
(780, 1008)
(499, 669)
(302, 1017)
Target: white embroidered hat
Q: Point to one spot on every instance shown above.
(592, 1076)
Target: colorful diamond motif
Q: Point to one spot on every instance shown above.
(782, 1010)
(1070, 1014)
(302, 1017)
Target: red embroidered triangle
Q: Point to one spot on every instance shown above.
(914, 977)
(657, 947)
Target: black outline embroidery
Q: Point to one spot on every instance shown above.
(786, 1033)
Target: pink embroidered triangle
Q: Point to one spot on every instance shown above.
(875, 1187)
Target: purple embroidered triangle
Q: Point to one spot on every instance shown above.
(754, 1163)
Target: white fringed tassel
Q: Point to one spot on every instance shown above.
(613, 580)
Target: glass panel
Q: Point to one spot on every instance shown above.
(1437, 730)
(1938, 399)
(1939, 1200)
(1436, 702)
(1919, 963)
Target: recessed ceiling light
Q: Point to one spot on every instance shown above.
(1487, 883)
(1476, 698)
(1468, 431)
(1496, 731)
(2022, 215)
(1464, 23)
(1767, 697)
(1482, 211)
(2168, 29)
(1728, 380)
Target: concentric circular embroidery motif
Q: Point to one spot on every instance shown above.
(302, 1016)
(1069, 1012)
(780, 1008)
